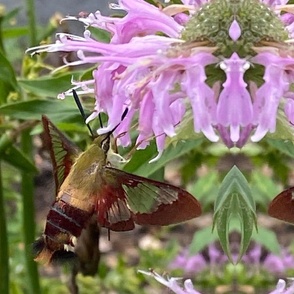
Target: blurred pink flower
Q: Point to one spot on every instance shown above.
(189, 263)
(216, 258)
(278, 264)
(180, 63)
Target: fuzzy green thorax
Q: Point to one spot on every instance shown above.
(86, 170)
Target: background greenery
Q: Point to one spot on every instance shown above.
(230, 184)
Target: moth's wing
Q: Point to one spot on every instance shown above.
(282, 206)
(127, 199)
(62, 151)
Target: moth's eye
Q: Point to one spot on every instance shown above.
(105, 145)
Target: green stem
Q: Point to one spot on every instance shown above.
(2, 49)
(4, 255)
(28, 219)
(32, 21)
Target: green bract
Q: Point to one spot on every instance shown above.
(213, 20)
(234, 201)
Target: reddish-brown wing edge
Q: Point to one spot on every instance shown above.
(282, 206)
(186, 207)
(61, 163)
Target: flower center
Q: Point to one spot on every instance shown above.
(257, 21)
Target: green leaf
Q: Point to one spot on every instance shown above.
(268, 239)
(140, 165)
(234, 201)
(6, 141)
(264, 187)
(284, 130)
(100, 35)
(15, 32)
(4, 90)
(285, 146)
(17, 159)
(250, 149)
(206, 188)
(50, 85)
(10, 15)
(7, 73)
(33, 109)
(201, 239)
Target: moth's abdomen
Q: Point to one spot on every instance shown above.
(64, 223)
(45, 254)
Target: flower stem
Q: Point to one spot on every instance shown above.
(32, 21)
(28, 220)
(4, 265)
(2, 49)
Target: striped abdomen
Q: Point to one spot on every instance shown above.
(64, 223)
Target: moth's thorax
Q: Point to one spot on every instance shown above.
(91, 159)
(85, 174)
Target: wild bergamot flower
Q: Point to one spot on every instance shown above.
(172, 283)
(225, 65)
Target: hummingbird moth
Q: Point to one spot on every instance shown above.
(88, 188)
(282, 206)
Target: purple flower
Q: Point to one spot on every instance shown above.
(278, 264)
(181, 64)
(274, 263)
(215, 257)
(253, 256)
(194, 264)
(189, 263)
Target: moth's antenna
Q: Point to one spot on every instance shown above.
(122, 118)
(81, 109)
(100, 120)
(124, 114)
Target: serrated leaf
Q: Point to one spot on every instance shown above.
(16, 158)
(201, 239)
(140, 161)
(234, 201)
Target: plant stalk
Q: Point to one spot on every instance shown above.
(4, 254)
(28, 216)
(32, 21)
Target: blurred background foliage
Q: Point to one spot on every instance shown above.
(28, 90)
